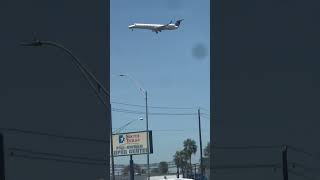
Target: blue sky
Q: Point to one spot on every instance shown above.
(173, 66)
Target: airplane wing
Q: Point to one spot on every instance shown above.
(159, 28)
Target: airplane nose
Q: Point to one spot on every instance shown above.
(131, 26)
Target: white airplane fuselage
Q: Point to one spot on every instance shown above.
(156, 27)
(153, 26)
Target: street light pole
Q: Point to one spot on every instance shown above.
(145, 93)
(96, 86)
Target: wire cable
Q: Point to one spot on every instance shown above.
(58, 160)
(300, 150)
(56, 155)
(154, 107)
(101, 141)
(157, 113)
(304, 167)
(245, 147)
(301, 175)
(246, 166)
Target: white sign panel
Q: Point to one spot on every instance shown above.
(132, 143)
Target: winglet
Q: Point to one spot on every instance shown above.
(178, 22)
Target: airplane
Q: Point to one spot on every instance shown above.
(156, 27)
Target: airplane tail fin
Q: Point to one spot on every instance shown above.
(178, 22)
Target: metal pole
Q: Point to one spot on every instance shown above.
(284, 163)
(177, 171)
(148, 148)
(201, 164)
(146, 98)
(2, 164)
(111, 143)
(195, 171)
(131, 168)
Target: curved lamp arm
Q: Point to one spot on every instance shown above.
(81, 67)
(136, 83)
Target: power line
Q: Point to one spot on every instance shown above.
(58, 160)
(310, 169)
(92, 140)
(162, 130)
(154, 107)
(240, 166)
(165, 130)
(229, 166)
(128, 111)
(101, 141)
(245, 147)
(56, 155)
(206, 117)
(157, 113)
(246, 166)
(301, 175)
(260, 147)
(174, 114)
(299, 150)
(204, 109)
(206, 114)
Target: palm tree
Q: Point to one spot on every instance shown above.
(180, 160)
(190, 148)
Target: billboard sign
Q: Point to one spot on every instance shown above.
(131, 143)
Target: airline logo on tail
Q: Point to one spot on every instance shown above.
(178, 22)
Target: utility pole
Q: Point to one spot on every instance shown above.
(145, 94)
(284, 162)
(148, 145)
(2, 169)
(131, 169)
(201, 164)
(111, 143)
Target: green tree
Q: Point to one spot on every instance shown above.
(163, 167)
(190, 148)
(180, 159)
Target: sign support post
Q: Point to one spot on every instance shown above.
(131, 169)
